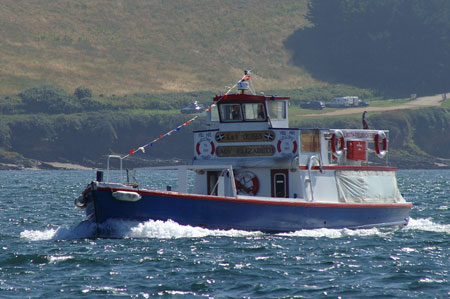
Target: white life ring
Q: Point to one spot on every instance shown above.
(380, 136)
(287, 146)
(337, 143)
(205, 148)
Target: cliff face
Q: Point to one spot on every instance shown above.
(418, 138)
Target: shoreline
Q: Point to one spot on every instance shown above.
(71, 166)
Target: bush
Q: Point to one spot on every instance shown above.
(49, 99)
(82, 92)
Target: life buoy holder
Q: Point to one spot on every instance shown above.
(337, 143)
(247, 183)
(380, 137)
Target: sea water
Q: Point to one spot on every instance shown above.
(45, 252)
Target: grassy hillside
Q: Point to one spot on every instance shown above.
(120, 47)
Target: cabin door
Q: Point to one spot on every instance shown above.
(280, 182)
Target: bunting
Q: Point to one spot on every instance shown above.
(246, 77)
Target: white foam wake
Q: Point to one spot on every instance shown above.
(335, 233)
(428, 226)
(130, 229)
(81, 231)
(172, 230)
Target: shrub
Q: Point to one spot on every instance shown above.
(49, 99)
(82, 92)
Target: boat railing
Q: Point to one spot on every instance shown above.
(220, 184)
(312, 160)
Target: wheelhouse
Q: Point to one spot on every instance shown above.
(270, 111)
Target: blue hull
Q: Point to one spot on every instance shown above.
(227, 213)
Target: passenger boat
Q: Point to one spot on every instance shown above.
(253, 172)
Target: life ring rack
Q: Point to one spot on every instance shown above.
(337, 143)
(380, 137)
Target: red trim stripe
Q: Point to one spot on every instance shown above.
(247, 97)
(351, 167)
(261, 202)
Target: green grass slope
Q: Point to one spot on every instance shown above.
(120, 47)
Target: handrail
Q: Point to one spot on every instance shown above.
(310, 165)
(228, 170)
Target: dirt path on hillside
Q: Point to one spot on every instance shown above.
(428, 101)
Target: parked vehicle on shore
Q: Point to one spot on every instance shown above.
(193, 107)
(347, 102)
(318, 105)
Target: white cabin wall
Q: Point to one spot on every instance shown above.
(200, 186)
(296, 185)
(324, 186)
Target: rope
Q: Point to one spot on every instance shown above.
(246, 77)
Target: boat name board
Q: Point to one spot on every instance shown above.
(248, 136)
(245, 151)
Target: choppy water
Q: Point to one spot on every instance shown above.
(43, 253)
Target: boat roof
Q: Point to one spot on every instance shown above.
(246, 98)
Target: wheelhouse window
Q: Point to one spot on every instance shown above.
(254, 112)
(230, 112)
(277, 110)
(214, 113)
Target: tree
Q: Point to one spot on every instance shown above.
(397, 46)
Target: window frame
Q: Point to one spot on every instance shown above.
(242, 112)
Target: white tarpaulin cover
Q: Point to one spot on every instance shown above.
(368, 187)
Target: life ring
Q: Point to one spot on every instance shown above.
(337, 143)
(380, 136)
(247, 183)
(205, 148)
(284, 146)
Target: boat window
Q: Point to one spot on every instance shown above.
(277, 110)
(230, 112)
(279, 183)
(254, 112)
(214, 113)
(310, 141)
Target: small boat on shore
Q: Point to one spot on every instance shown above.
(253, 172)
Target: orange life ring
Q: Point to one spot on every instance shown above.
(337, 143)
(380, 136)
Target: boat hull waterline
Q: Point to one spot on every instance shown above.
(235, 213)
